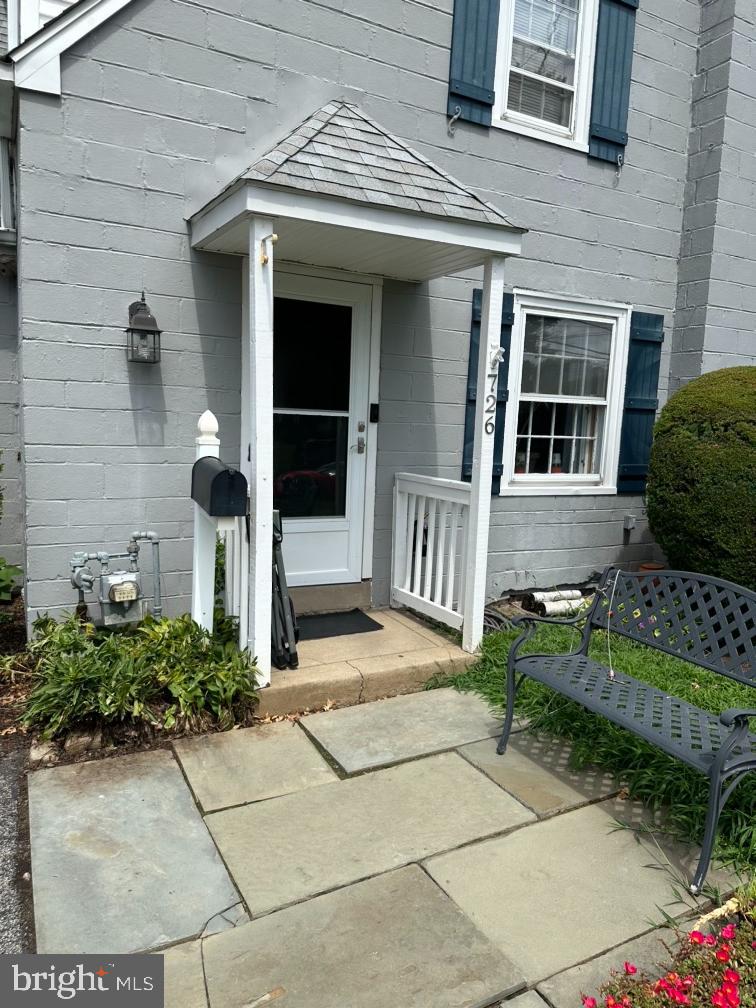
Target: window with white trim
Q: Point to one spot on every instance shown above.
(566, 382)
(545, 68)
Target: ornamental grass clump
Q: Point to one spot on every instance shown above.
(716, 969)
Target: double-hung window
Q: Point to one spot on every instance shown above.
(566, 381)
(544, 68)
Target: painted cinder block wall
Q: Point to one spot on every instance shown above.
(716, 308)
(170, 99)
(11, 524)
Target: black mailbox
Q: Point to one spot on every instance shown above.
(218, 489)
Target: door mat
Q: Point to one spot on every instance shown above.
(337, 624)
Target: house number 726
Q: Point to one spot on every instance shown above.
(490, 411)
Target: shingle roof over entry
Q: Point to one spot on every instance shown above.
(339, 151)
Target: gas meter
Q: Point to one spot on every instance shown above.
(120, 591)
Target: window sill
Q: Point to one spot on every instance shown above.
(536, 134)
(575, 490)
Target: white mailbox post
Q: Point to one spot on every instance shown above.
(206, 531)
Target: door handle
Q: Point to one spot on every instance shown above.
(360, 446)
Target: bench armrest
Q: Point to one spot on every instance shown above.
(529, 625)
(736, 716)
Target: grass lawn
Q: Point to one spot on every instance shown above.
(648, 773)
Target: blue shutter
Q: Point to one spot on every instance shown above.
(473, 60)
(507, 320)
(641, 401)
(611, 79)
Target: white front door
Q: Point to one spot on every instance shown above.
(321, 368)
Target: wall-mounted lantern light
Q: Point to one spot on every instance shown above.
(143, 334)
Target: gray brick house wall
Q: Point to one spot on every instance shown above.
(11, 525)
(172, 97)
(714, 322)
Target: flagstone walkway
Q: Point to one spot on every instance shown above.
(371, 857)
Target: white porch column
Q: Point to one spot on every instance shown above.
(205, 534)
(482, 470)
(257, 434)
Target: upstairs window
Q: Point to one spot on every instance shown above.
(544, 69)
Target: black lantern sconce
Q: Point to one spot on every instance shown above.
(143, 335)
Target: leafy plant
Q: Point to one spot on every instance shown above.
(716, 968)
(701, 492)
(648, 773)
(168, 673)
(8, 576)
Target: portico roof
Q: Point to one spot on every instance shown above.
(346, 193)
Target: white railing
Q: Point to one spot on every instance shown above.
(431, 527)
(237, 574)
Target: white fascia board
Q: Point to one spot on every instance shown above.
(212, 220)
(262, 201)
(37, 60)
(494, 238)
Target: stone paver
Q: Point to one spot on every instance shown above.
(389, 731)
(184, 976)
(647, 953)
(250, 764)
(289, 848)
(121, 859)
(536, 771)
(592, 882)
(527, 1000)
(391, 941)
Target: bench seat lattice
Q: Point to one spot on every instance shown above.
(684, 731)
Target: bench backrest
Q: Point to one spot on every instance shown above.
(704, 620)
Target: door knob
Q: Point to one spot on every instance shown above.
(360, 446)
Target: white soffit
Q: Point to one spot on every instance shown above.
(37, 60)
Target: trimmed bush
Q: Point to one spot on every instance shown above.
(701, 494)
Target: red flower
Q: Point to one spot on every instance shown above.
(728, 931)
(696, 937)
(728, 988)
(589, 1002)
(723, 953)
(719, 1000)
(610, 1002)
(733, 999)
(731, 976)
(710, 940)
(630, 969)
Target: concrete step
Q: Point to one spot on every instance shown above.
(399, 658)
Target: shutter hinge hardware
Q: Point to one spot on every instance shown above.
(498, 357)
(451, 126)
(620, 164)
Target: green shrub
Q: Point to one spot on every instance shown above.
(701, 492)
(168, 673)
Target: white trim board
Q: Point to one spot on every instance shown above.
(37, 59)
(210, 222)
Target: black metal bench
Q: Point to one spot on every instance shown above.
(703, 620)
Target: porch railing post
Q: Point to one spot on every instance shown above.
(257, 434)
(203, 558)
(483, 449)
